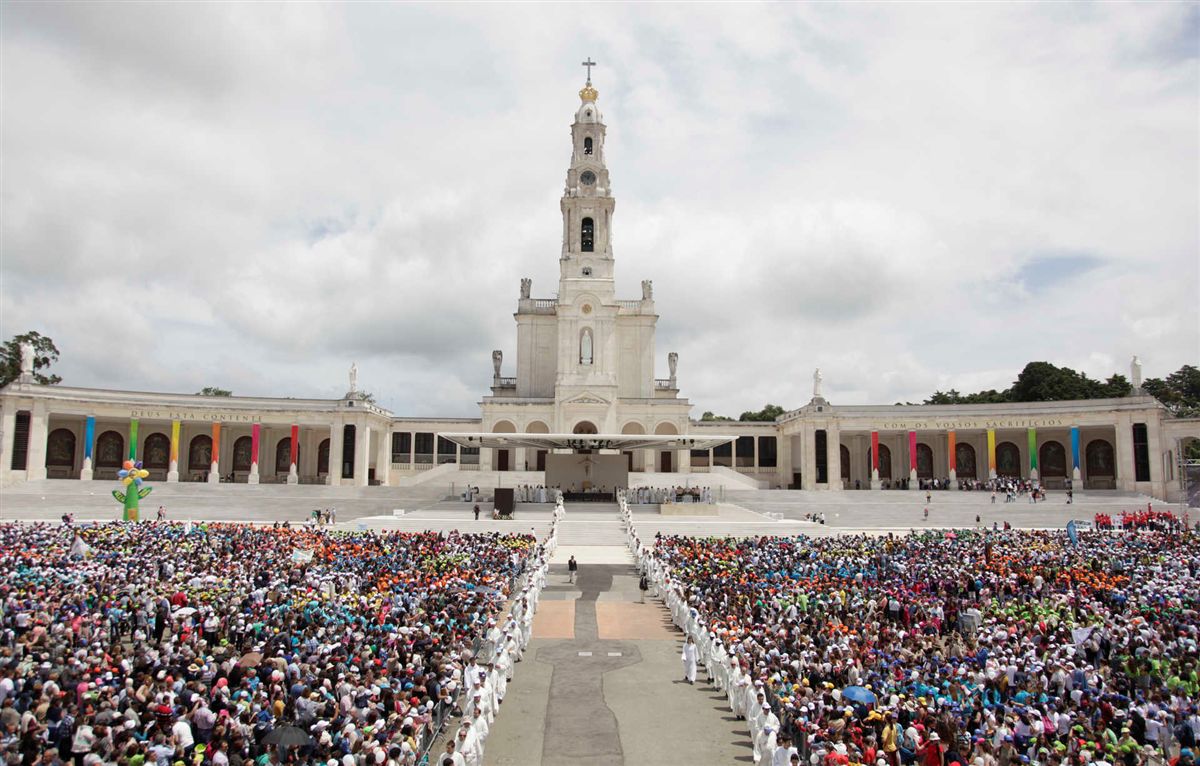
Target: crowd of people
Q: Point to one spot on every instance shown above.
(667, 495)
(979, 648)
(163, 644)
(1136, 521)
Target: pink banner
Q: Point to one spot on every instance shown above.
(912, 451)
(254, 443)
(295, 445)
(874, 450)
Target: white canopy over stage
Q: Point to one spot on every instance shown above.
(592, 442)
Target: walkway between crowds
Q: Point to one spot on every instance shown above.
(601, 681)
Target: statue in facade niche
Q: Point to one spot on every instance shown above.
(526, 286)
(647, 290)
(672, 362)
(497, 360)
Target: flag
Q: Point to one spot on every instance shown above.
(80, 548)
(1073, 533)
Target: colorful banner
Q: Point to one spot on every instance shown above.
(175, 441)
(133, 429)
(216, 443)
(295, 446)
(254, 430)
(89, 436)
(912, 451)
(874, 450)
(991, 444)
(1032, 436)
(1075, 447)
(952, 451)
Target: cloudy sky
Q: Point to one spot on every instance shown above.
(911, 197)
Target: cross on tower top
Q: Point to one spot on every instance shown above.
(589, 64)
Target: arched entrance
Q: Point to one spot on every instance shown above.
(844, 454)
(924, 461)
(1052, 461)
(110, 450)
(502, 460)
(200, 455)
(156, 453)
(323, 458)
(60, 451)
(242, 457)
(666, 458)
(964, 461)
(885, 462)
(636, 458)
(1008, 460)
(539, 457)
(1100, 465)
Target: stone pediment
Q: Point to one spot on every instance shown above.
(587, 398)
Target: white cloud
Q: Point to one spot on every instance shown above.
(258, 195)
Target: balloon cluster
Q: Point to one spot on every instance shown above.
(132, 473)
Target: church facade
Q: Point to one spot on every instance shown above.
(586, 363)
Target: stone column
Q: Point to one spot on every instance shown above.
(808, 477)
(783, 454)
(991, 453)
(39, 432)
(334, 478)
(8, 439)
(383, 457)
(912, 460)
(833, 451)
(1158, 479)
(214, 471)
(1124, 450)
(173, 465)
(519, 458)
(1076, 476)
(650, 461)
(293, 476)
(684, 462)
(255, 443)
(362, 454)
(952, 455)
(89, 441)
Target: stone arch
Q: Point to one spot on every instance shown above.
(964, 461)
(924, 461)
(885, 462)
(200, 456)
(283, 455)
(110, 450)
(666, 457)
(585, 427)
(1099, 459)
(156, 452)
(844, 458)
(635, 458)
(587, 145)
(587, 235)
(323, 457)
(539, 456)
(502, 459)
(1008, 460)
(1052, 460)
(243, 453)
(60, 448)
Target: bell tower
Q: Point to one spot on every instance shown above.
(587, 204)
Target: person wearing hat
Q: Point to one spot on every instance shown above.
(932, 753)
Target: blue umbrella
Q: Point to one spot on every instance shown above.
(859, 694)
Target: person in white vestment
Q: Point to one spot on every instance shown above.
(689, 660)
(764, 746)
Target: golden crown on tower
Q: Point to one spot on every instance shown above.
(588, 93)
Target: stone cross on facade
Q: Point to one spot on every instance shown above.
(589, 64)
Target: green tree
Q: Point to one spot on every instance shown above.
(44, 354)
(767, 413)
(214, 391)
(1179, 392)
(709, 417)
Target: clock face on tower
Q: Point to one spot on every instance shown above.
(587, 178)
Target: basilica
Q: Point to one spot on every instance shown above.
(585, 381)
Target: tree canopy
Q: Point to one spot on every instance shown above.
(44, 354)
(214, 391)
(1179, 392)
(767, 413)
(1042, 382)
